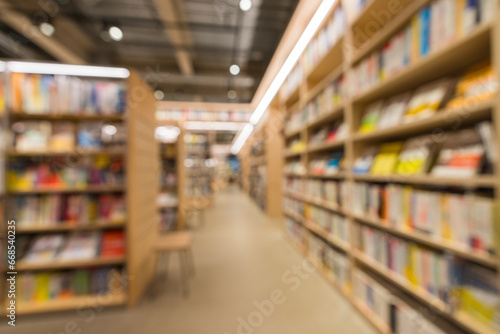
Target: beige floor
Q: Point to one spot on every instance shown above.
(240, 258)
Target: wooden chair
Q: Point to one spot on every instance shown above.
(179, 242)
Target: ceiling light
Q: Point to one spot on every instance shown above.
(2, 66)
(115, 33)
(288, 65)
(245, 5)
(47, 29)
(234, 69)
(215, 126)
(231, 94)
(245, 133)
(159, 95)
(167, 134)
(65, 69)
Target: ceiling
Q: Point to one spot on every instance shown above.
(182, 47)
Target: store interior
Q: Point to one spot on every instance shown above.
(249, 166)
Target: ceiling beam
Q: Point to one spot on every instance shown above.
(23, 26)
(172, 11)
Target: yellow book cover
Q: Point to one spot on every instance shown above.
(410, 271)
(2, 96)
(387, 158)
(445, 217)
(42, 287)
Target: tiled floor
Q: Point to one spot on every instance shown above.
(242, 262)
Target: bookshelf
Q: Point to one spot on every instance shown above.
(168, 200)
(89, 190)
(327, 104)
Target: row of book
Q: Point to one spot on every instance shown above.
(75, 247)
(389, 308)
(294, 206)
(334, 225)
(330, 164)
(336, 131)
(295, 167)
(334, 193)
(294, 79)
(431, 29)
(324, 40)
(48, 94)
(296, 146)
(62, 210)
(463, 153)
(63, 173)
(329, 98)
(296, 232)
(44, 136)
(47, 286)
(459, 283)
(477, 84)
(466, 220)
(203, 115)
(335, 262)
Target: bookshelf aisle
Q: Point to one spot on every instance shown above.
(258, 173)
(391, 183)
(168, 200)
(69, 170)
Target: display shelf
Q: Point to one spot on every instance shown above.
(66, 117)
(55, 265)
(72, 226)
(448, 60)
(435, 242)
(479, 181)
(442, 118)
(336, 242)
(325, 146)
(71, 303)
(333, 114)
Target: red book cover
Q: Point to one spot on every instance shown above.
(113, 244)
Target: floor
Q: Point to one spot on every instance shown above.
(249, 280)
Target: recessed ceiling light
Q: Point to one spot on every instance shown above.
(47, 29)
(234, 69)
(110, 130)
(115, 33)
(245, 5)
(159, 95)
(231, 94)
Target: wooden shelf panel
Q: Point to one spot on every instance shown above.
(324, 204)
(442, 118)
(98, 262)
(66, 117)
(448, 60)
(290, 154)
(66, 227)
(333, 114)
(479, 181)
(337, 176)
(294, 216)
(338, 144)
(72, 303)
(91, 189)
(436, 243)
(293, 133)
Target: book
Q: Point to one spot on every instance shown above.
(461, 155)
(81, 246)
(393, 111)
(31, 136)
(371, 118)
(113, 244)
(44, 248)
(417, 156)
(62, 138)
(385, 161)
(364, 162)
(427, 100)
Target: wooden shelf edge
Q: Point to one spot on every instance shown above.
(325, 146)
(67, 227)
(77, 302)
(67, 190)
(98, 262)
(474, 182)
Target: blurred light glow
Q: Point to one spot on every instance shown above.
(167, 134)
(109, 130)
(65, 69)
(47, 29)
(215, 126)
(115, 33)
(245, 5)
(234, 69)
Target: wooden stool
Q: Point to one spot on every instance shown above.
(179, 242)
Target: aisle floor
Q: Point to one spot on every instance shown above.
(242, 258)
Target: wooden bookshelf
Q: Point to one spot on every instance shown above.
(140, 184)
(451, 60)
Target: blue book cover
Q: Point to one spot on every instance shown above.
(425, 21)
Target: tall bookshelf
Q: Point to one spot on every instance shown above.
(168, 201)
(338, 250)
(85, 179)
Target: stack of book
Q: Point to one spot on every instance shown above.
(331, 192)
(60, 173)
(59, 210)
(434, 27)
(51, 94)
(46, 286)
(329, 98)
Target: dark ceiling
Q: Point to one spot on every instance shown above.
(182, 47)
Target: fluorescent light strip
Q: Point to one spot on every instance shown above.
(242, 138)
(216, 126)
(290, 62)
(64, 69)
(2, 66)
